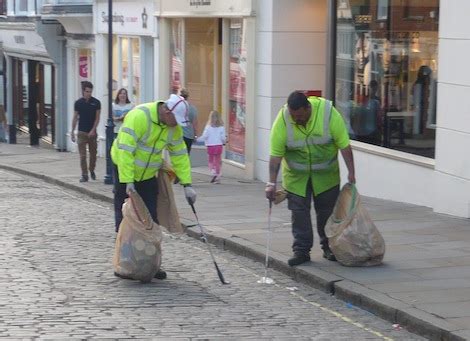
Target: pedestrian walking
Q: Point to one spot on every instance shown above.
(121, 106)
(137, 154)
(87, 113)
(214, 138)
(190, 130)
(306, 136)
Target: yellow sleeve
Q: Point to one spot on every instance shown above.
(338, 129)
(278, 136)
(132, 130)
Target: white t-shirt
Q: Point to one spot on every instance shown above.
(120, 110)
(213, 136)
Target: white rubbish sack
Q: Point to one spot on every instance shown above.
(352, 235)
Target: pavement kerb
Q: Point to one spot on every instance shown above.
(395, 311)
(64, 184)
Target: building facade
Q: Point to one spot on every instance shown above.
(392, 68)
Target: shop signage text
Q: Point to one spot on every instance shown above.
(128, 17)
(118, 18)
(199, 2)
(19, 40)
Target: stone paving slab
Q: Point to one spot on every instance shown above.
(426, 252)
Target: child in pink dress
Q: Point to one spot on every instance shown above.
(214, 139)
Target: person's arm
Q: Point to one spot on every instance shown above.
(349, 160)
(97, 120)
(74, 125)
(195, 126)
(274, 166)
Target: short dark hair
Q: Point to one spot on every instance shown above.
(86, 84)
(297, 100)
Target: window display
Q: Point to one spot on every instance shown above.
(386, 68)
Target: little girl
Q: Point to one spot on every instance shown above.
(214, 139)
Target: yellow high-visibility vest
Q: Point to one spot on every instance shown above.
(138, 149)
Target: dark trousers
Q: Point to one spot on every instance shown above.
(302, 232)
(147, 189)
(189, 143)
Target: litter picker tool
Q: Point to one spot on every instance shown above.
(266, 279)
(204, 239)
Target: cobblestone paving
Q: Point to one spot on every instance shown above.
(57, 282)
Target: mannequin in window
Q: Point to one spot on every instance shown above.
(423, 100)
(367, 117)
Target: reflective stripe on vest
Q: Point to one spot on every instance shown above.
(299, 144)
(317, 166)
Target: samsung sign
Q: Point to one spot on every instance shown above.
(199, 3)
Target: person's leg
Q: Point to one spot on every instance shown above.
(301, 225)
(189, 143)
(324, 204)
(92, 148)
(148, 190)
(218, 160)
(82, 141)
(119, 196)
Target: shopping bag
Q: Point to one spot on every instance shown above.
(352, 235)
(137, 253)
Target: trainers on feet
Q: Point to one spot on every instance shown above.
(161, 274)
(84, 178)
(213, 179)
(92, 175)
(299, 258)
(327, 254)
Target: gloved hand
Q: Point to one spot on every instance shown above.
(130, 188)
(190, 194)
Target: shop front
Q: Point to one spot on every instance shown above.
(134, 32)
(30, 76)
(210, 56)
(386, 72)
(399, 85)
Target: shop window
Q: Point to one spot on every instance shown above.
(126, 66)
(21, 7)
(386, 76)
(235, 149)
(3, 7)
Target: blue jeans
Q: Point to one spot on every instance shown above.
(302, 232)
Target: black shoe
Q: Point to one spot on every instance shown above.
(84, 178)
(327, 254)
(92, 175)
(213, 179)
(299, 258)
(161, 274)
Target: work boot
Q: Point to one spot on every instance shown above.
(161, 274)
(92, 175)
(327, 254)
(84, 178)
(299, 258)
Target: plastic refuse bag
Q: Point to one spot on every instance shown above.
(137, 253)
(352, 235)
(167, 212)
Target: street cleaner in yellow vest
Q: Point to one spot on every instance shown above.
(137, 153)
(305, 137)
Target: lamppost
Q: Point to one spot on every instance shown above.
(108, 178)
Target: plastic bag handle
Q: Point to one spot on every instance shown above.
(354, 196)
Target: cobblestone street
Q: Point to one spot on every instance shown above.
(57, 282)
